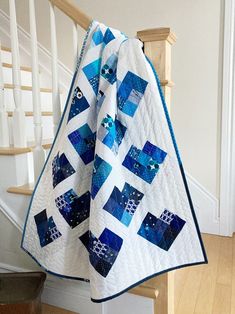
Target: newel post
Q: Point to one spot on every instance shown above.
(157, 47)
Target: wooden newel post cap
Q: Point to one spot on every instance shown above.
(157, 34)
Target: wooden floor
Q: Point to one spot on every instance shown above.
(48, 309)
(209, 289)
(206, 289)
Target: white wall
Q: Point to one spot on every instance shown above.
(196, 65)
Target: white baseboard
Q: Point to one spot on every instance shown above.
(206, 207)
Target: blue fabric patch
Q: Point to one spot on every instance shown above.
(130, 92)
(101, 172)
(79, 103)
(100, 99)
(97, 37)
(74, 209)
(123, 204)
(103, 251)
(92, 72)
(61, 169)
(108, 36)
(111, 133)
(144, 163)
(161, 231)
(83, 141)
(47, 230)
(109, 69)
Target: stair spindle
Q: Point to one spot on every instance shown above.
(75, 43)
(19, 132)
(4, 128)
(38, 151)
(55, 76)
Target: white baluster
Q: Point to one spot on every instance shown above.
(55, 75)
(38, 151)
(19, 134)
(75, 43)
(4, 128)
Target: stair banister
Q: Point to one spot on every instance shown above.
(19, 131)
(38, 151)
(75, 43)
(56, 107)
(71, 10)
(4, 128)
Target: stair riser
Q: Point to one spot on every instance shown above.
(6, 56)
(46, 100)
(26, 77)
(47, 125)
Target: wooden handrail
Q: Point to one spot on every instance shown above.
(68, 8)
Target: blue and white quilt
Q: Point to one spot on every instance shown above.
(112, 205)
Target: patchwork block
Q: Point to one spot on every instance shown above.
(109, 69)
(46, 228)
(100, 173)
(130, 92)
(103, 251)
(123, 204)
(83, 140)
(144, 163)
(74, 209)
(79, 103)
(61, 169)
(161, 231)
(92, 71)
(111, 133)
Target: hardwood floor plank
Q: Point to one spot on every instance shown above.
(49, 309)
(233, 280)
(206, 293)
(222, 299)
(190, 291)
(224, 272)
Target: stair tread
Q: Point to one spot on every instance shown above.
(4, 48)
(28, 88)
(22, 67)
(11, 151)
(26, 189)
(30, 113)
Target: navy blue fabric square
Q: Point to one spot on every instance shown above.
(144, 163)
(74, 209)
(79, 103)
(92, 71)
(83, 140)
(123, 204)
(130, 92)
(46, 228)
(103, 251)
(61, 169)
(161, 231)
(101, 172)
